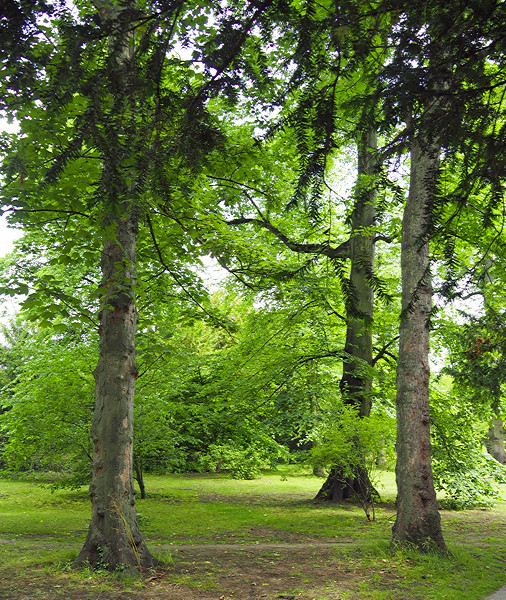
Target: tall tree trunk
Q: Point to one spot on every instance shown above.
(418, 521)
(113, 538)
(356, 383)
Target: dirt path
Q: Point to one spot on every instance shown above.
(256, 571)
(228, 571)
(287, 566)
(254, 546)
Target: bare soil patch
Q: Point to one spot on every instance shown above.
(284, 571)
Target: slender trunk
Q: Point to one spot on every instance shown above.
(113, 537)
(418, 520)
(139, 476)
(356, 382)
(495, 440)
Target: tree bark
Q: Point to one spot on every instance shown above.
(495, 440)
(356, 383)
(418, 521)
(139, 476)
(113, 539)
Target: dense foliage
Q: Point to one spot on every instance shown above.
(154, 134)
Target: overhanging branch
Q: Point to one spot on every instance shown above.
(325, 249)
(178, 280)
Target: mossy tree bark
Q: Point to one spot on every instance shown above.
(356, 382)
(418, 521)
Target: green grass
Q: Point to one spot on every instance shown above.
(42, 531)
(28, 509)
(251, 503)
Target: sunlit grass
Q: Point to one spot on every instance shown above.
(42, 531)
(30, 509)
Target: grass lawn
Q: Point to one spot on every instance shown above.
(245, 540)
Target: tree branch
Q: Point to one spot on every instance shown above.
(384, 351)
(178, 281)
(50, 210)
(325, 249)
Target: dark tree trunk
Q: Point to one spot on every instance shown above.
(418, 521)
(338, 488)
(139, 477)
(113, 537)
(356, 382)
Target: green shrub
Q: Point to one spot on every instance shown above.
(461, 466)
(242, 462)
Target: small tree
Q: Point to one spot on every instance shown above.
(352, 445)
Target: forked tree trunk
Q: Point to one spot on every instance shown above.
(114, 540)
(418, 521)
(356, 383)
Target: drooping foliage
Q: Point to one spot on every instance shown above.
(214, 129)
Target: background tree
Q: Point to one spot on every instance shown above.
(462, 468)
(476, 363)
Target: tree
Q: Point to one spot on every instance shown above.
(448, 69)
(335, 68)
(462, 468)
(356, 380)
(113, 536)
(127, 132)
(477, 364)
(418, 519)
